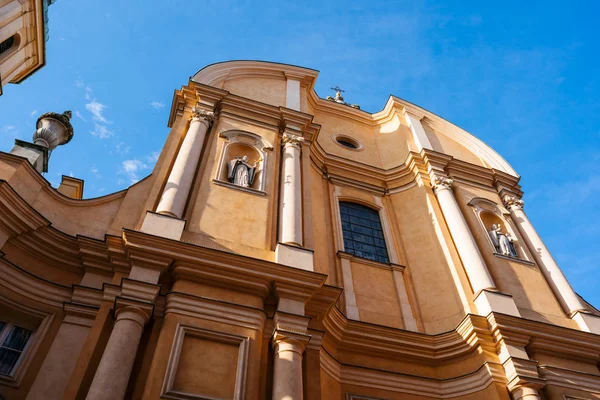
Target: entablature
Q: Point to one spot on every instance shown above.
(392, 343)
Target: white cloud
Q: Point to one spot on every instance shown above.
(96, 173)
(33, 113)
(78, 115)
(157, 105)
(132, 168)
(153, 157)
(96, 109)
(101, 131)
(79, 82)
(122, 148)
(8, 128)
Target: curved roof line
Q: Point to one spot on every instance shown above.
(213, 73)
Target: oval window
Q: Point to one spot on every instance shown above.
(347, 142)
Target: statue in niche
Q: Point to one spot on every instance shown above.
(503, 242)
(240, 172)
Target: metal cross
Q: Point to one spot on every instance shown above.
(337, 89)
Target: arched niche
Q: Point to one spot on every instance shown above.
(239, 144)
(489, 214)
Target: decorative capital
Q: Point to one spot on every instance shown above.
(292, 140)
(284, 341)
(513, 203)
(439, 182)
(200, 114)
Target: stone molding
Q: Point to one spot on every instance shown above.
(181, 331)
(16, 280)
(466, 339)
(455, 387)
(138, 290)
(215, 310)
(570, 379)
(137, 311)
(291, 323)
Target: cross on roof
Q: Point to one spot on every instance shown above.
(338, 89)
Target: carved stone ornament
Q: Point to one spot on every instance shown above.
(441, 182)
(208, 116)
(293, 140)
(53, 129)
(512, 202)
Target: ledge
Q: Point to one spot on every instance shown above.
(236, 187)
(515, 259)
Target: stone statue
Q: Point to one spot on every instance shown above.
(503, 242)
(511, 245)
(240, 172)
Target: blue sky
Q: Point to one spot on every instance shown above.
(522, 76)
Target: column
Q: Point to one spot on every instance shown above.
(468, 251)
(180, 179)
(525, 393)
(287, 365)
(290, 221)
(112, 375)
(556, 279)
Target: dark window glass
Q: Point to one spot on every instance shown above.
(347, 143)
(362, 231)
(7, 44)
(12, 347)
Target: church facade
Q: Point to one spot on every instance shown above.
(286, 247)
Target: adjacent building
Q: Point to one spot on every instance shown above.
(23, 36)
(289, 247)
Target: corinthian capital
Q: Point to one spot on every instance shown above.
(439, 182)
(292, 140)
(200, 114)
(512, 202)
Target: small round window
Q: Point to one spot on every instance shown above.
(347, 142)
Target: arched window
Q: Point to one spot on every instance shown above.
(7, 44)
(363, 234)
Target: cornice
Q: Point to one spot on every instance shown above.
(570, 379)
(17, 280)
(214, 74)
(540, 337)
(16, 216)
(346, 171)
(52, 247)
(55, 194)
(256, 276)
(453, 387)
(214, 310)
(364, 338)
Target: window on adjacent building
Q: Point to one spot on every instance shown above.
(363, 234)
(7, 44)
(13, 340)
